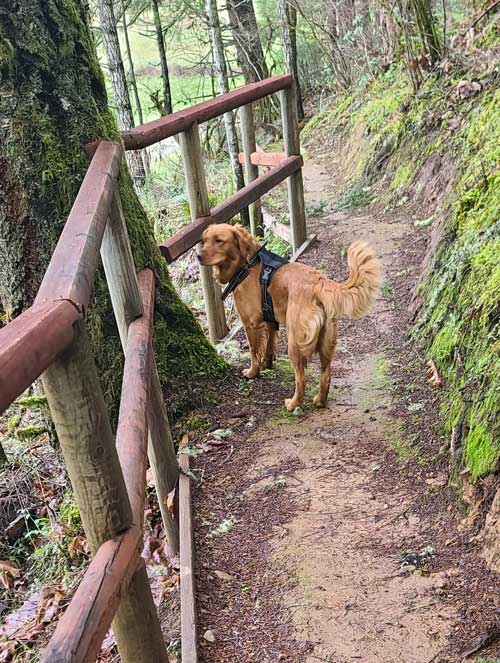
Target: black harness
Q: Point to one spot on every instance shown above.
(270, 264)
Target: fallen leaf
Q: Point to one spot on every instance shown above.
(433, 375)
(171, 501)
(77, 545)
(184, 441)
(8, 573)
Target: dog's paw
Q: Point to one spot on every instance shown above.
(317, 402)
(249, 373)
(291, 404)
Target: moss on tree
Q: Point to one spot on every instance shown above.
(52, 102)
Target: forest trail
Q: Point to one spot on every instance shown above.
(302, 520)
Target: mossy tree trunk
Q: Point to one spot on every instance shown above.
(52, 102)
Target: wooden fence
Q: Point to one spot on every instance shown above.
(49, 339)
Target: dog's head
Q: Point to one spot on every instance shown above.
(226, 248)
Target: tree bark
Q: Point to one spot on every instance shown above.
(119, 82)
(426, 24)
(288, 20)
(229, 121)
(246, 37)
(165, 77)
(52, 102)
(133, 79)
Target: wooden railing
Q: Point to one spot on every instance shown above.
(286, 165)
(50, 339)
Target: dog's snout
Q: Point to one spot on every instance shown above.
(199, 256)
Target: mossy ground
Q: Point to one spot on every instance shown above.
(390, 134)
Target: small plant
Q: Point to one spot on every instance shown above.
(357, 196)
(226, 525)
(387, 292)
(317, 208)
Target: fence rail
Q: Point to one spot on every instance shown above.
(49, 339)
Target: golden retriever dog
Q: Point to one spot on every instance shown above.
(305, 301)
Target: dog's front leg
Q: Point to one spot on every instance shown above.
(257, 340)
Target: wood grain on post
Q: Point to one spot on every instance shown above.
(187, 237)
(136, 625)
(82, 628)
(71, 270)
(121, 277)
(251, 170)
(132, 431)
(175, 123)
(125, 297)
(81, 419)
(189, 643)
(295, 184)
(200, 206)
(30, 343)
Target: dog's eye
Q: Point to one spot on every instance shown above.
(219, 241)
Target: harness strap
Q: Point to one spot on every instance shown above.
(270, 263)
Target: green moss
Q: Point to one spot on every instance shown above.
(481, 452)
(403, 176)
(38, 403)
(29, 432)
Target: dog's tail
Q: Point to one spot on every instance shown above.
(355, 296)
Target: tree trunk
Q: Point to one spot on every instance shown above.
(165, 77)
(229, 121)
(246, 37)
(133, 79)
(340, 66)
(52, 102)
(119, 82)
(288, 20)
(133, 82)
(422, 10)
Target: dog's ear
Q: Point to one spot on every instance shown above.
(244, 241)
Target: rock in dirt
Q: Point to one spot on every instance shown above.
(209, 635)
(223, 576)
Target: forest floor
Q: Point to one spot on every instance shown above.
(304, 522)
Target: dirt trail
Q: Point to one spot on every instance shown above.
(319, 512)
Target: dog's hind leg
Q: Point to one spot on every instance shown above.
(257, 340)
(299, 363)
(326, 348)
(270, 347)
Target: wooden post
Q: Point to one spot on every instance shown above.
(200, 206)
(79, 412)
(81, 419)
(251, 171)
(189, 639)
(136, 625)
(295, 184)
(124, 290)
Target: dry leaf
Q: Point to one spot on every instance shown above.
(8, 573)
(171, 501)
(78, 545)
(184, 441)
(433, 375)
